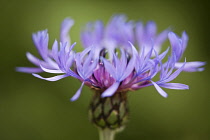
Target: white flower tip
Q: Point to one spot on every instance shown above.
(165, 96)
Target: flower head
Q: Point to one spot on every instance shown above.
(122, 56)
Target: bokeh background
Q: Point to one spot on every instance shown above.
(34, 109)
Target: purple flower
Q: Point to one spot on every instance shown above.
(110, 61)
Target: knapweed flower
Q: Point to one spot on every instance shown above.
(119, 57)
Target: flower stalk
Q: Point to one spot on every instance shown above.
(106, 134)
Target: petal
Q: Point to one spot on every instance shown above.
(92, 34)
(50, 71)
(73, 74)
(85, 51)
(162, 92)
(151, 29)
(111, 90)
(79, 67)
(69, 62)
(174, 86)
(154, 69)
(89, 70)
(55, 51)
(185, 39)
(174, 75)
(161, 37)
(61, 55)
(72, 46)
(64, 33)
(109, 67)
(123, 62)
(41, 42)
(55, 78)
(99, 29)
(130, 67)
(29, 70)
(33, 59)
(140, 33)
(77, 94)
(162, 55)
(191, 66)
(176, 45)
(174, 40)
(87, 60)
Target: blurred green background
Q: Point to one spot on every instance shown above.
(34, 109)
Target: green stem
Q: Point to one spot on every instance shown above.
(106, 134)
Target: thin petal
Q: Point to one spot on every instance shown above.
(77, 94)
(140, 33)
(174, 75)
(41, 42)
(69, 62)
(55, 78)
(191, 66)
(162, 55)
(92, 34)
(151, 29)
(130, 67)
(33, 59)
(50, 71)
(185, 39)
(174, 86)
(111, 90)
(174, 40)
(109, 67)
(87, 60)
(176, 45)
(73, 74)
(161, 37)
(65, 27)
(61, 55)
(162, 92)
(55, 51)
(123, 62)
(85, 51)
(90, 69)
(29, 70)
